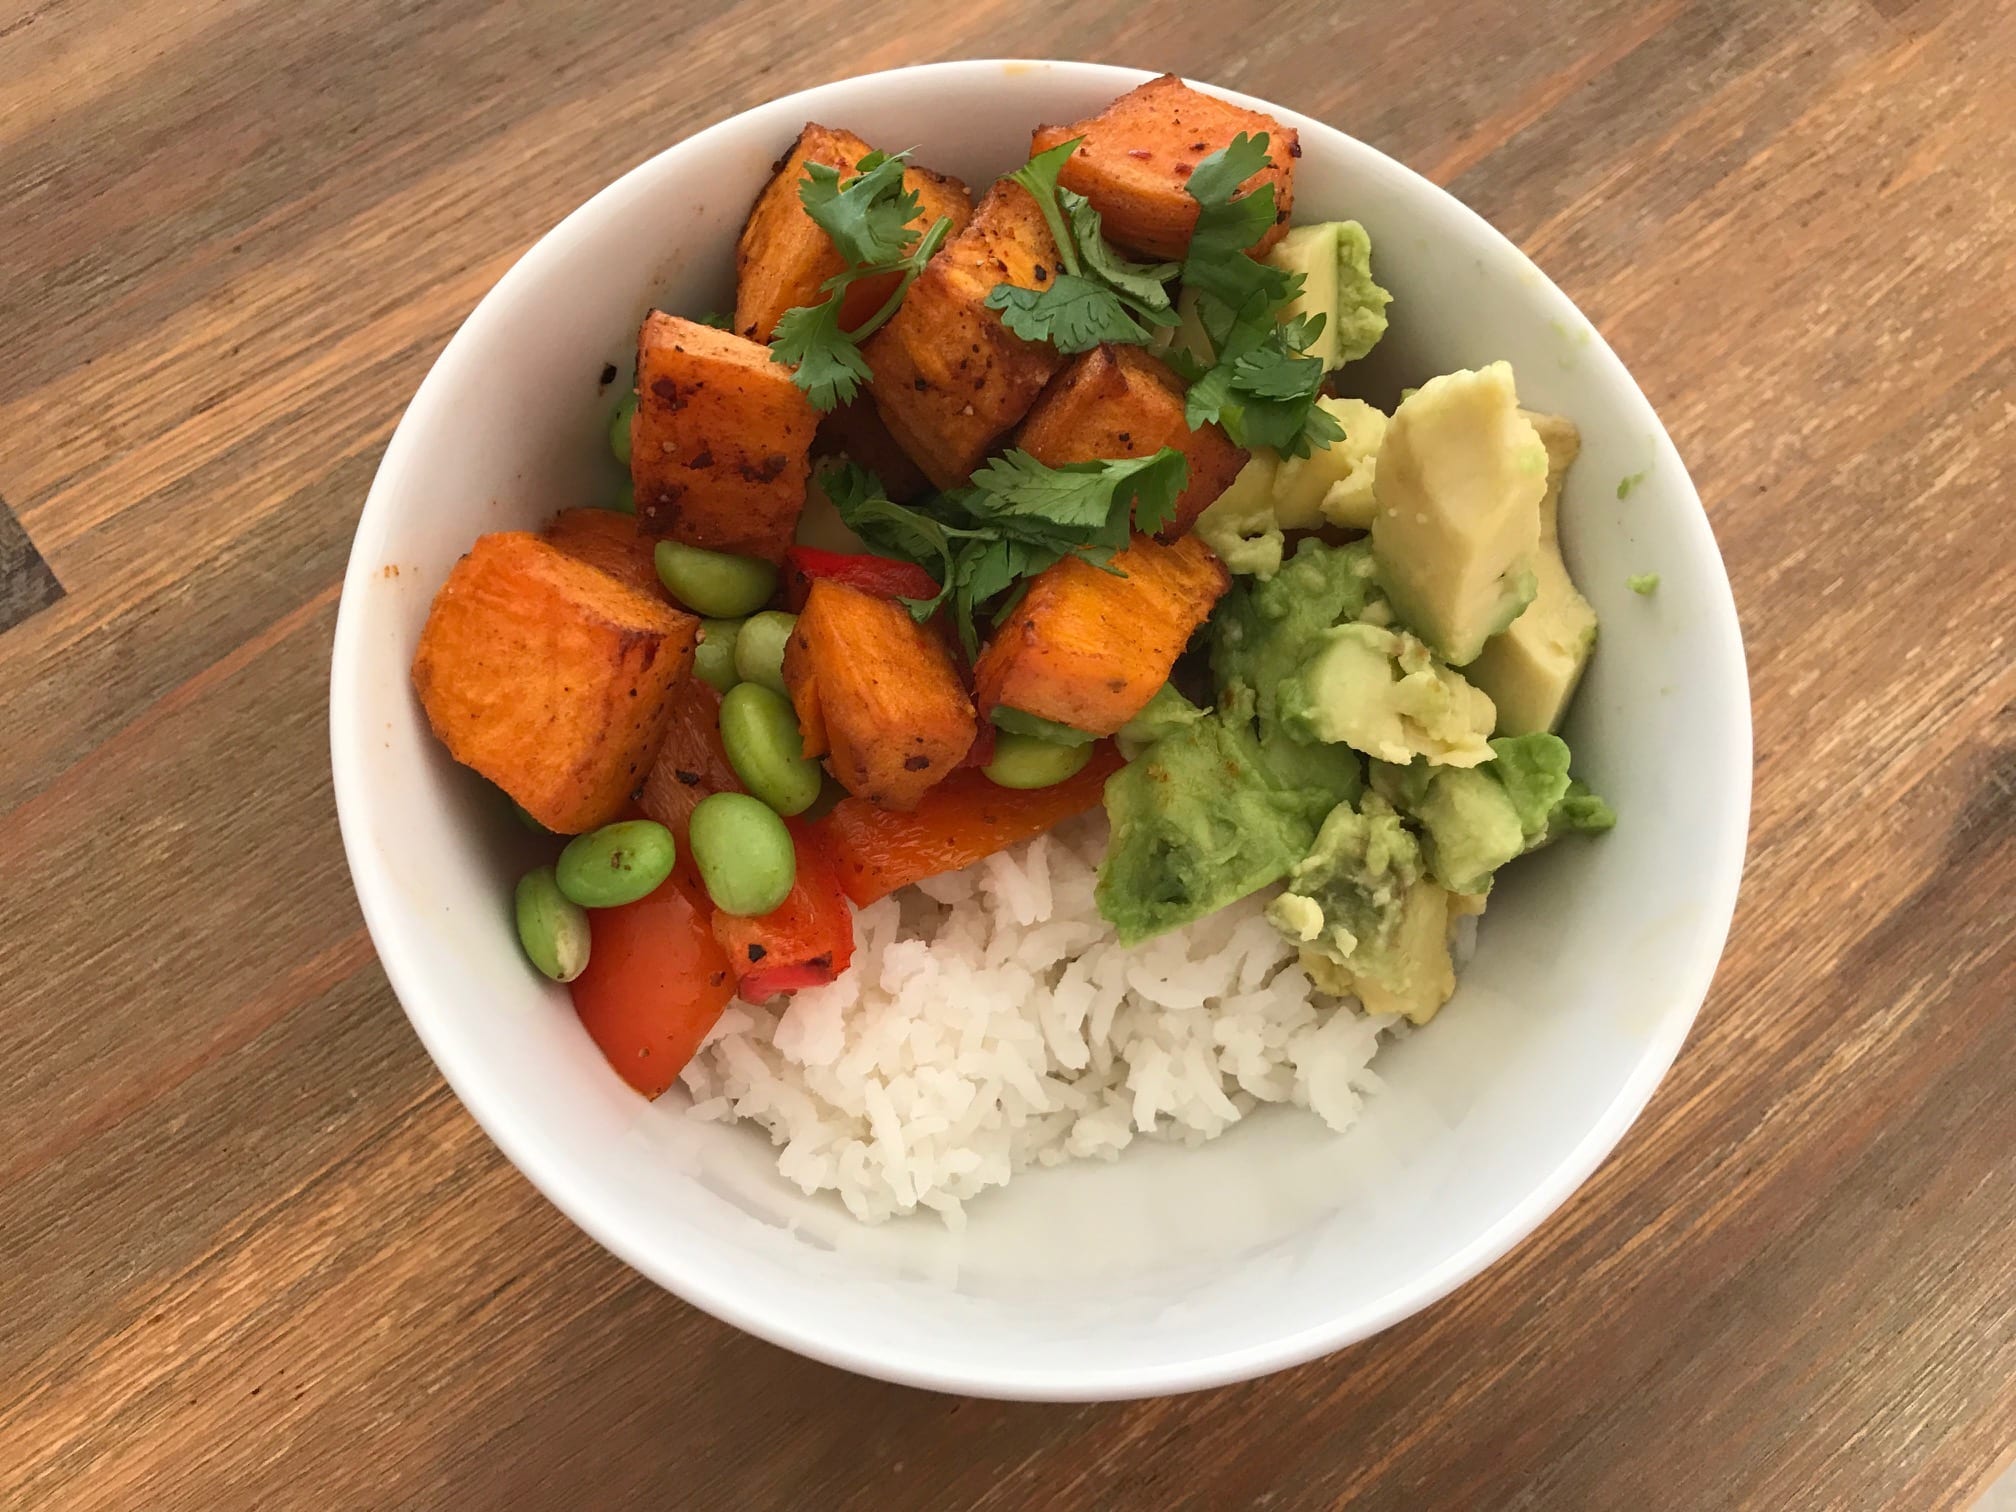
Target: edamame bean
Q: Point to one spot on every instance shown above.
(1015, 722)
(616, 864)
(1024, 761)
(714, 583)
(624, 498)
(759, 731)
(714, 656)
(619, 428)
(553, 930)
(743, 851)
(524, 817)
(759, 651)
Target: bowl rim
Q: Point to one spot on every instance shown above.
(505, 1125)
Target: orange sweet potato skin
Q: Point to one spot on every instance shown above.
(692, 763)
(783, 257)
(1089, 649)
(855, 431)
(550, 677)
(950, 379)
(1117, 401)
(721, 446)
(1139, 152)
(611, 541)
(877, 693)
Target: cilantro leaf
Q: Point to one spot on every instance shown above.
(1072, 313)
(1274, 372)
(869, 217)
(1145, 284)
(1217, 178)
(1090, 498)
(1039, 176)
(828, 365)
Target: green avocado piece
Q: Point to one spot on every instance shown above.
(1017, 722)
(1456, 532)
(1164, 714)
(1208, 814)
(1369, 919)
(1469, 828)
(1263, 632)
(1580, 811)
(1532, 668)
(1335, 261)
(1381, 692)
(1273, 494)
(1533, 770)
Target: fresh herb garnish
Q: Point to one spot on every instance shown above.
(1259, 384)
(1015, 519)
(868, 218)
(1097, 295)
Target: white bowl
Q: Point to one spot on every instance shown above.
(1171, 1268)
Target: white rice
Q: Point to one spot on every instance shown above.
(991, 1021)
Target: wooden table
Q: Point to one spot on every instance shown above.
(256, 1255)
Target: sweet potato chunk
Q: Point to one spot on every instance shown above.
(1138, 154)
(550, 677)
(609, 540)
(877, 694)
(1089, 649)
(692, 763)
(855, 431)
(783, 257)
(1117, 401)
(721, 446)
(950, 379)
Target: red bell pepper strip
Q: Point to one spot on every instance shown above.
(806, 941)
(960, 820)
(657, 979)
(882, 576)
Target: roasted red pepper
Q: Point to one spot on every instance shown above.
(881, 576)
(806, 941)
(960, 820)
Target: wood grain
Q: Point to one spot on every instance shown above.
(257, 1256)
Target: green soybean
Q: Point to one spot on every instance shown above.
(714, 656)
(759, 652)
(553, 930)
(623, 498)
(619, 428)
(744, 853)
(1025, 761)
(616, 864)
(1016, 722)
(714, 583)
(759, 731)
(525, 818)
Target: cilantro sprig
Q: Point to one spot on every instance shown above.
(1097, 295)
(1260, 384)
(982, 543)
(869, 221)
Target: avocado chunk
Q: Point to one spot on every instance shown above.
(1469, 828)
(1369, 920)
(1335, 261)
(1380, 691)
(1263, 632)
(1204, 816)
(1164, 714)
(1273, 494)
(1532, 669)
(1458, 485)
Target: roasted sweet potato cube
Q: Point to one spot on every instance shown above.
(550, 677)
(609, 540)
(1138, 154)
(783, 256)
(855, 431)
(1089, 649)
(877, 693)
(1117, 401)
(722, 443)
(950, 379)
(692, 763)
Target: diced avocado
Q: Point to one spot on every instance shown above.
(1644, 584)
(1203, 817)
(1333, 486)
(1164, 714)
(1016, 722)
(1532, 669)
(1458, 484)
(1580, 812)
(1369, 920)
(1533, 770)
(1239, 524)
(1335, 261)
(1380, 691)
(1470, 828)
(1262, 633)
(1402, 786)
